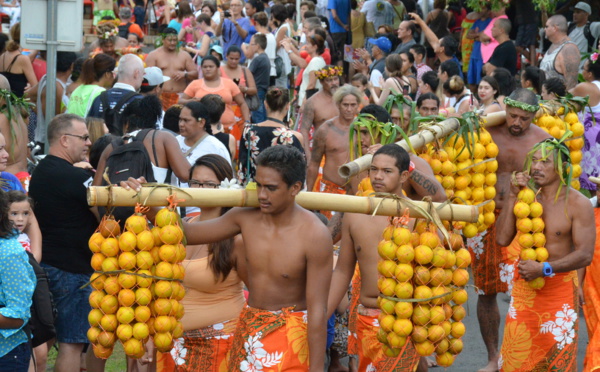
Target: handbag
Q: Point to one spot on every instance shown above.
(252, 101)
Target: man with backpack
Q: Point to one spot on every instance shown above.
(127, 27)
(109, 105)
(583, 32)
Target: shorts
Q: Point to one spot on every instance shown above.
(16, 360)
(475, 70)
(339, 39)
(526, 35)
(72, 304)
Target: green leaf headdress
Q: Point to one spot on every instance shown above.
(386, 132)
(396, 100)
(11, 105)
(561, 157)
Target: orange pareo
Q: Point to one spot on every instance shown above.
(591, 308)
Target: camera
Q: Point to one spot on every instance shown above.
(407, 17)
(227, 14)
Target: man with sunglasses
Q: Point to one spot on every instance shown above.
(66, 222)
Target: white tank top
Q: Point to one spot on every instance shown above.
(547, 63)
(594, 109)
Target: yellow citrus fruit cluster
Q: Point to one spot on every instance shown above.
(530, 231)
(557, 127)
(468, 175)
(137, 289)
(421, 284)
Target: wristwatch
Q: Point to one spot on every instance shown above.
(547, 269)
(289, 51)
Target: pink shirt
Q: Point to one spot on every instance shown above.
(189, 37)
(488, 49)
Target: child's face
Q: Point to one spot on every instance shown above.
(359, 85)
(19, 214)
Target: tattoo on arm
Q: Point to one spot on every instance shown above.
(571, 59)
(335, 225)
(308, 114)
(418, 178)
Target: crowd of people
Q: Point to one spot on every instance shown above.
(255, 92)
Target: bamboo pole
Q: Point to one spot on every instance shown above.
(154, 197)
(424, 137)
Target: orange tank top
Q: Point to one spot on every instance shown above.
(207, 302)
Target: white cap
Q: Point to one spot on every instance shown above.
(154, 76)
(583, 6)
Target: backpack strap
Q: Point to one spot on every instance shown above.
(123, 101)
(104, 100)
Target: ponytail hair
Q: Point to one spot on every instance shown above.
(15, 38)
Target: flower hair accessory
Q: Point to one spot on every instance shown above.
(594, 57)
(328, 71)
(521, 105)
(230, 184)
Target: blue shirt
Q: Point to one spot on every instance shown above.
(9, 182)
(342, 7)
(232, 37)
(17, 282)
(480, 24)
(175, 25)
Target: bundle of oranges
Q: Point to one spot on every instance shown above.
(137, 284)
(557, 127)
(530, 227)
(466, 168)
(421, 284)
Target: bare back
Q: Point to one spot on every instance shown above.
(324, 109)
(17, 148)
(512, 154)
(171, 63)
(276, 257)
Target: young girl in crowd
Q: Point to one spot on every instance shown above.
(18, 214)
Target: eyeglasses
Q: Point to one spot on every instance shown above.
(203, 185)
(83, 138)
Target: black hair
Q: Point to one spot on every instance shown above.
(431, 78)
(169, 31)
(450, 67)
(288, 161)
(556, 86)
(215, 105)
(171, 118)
(77, 68)
(524, 95)
(3, 40)
(7, 230)
(450, 45)
(594, 68)
(258, 5)
(276, 98)
(17, 196)
(142, 113)
(396, 152)
(98, 147)
(221, 259)
(419, 49)
(233, 49)
(212, 58)
(360, 77)
(379, 113)
(199, 111)
(537, 77)
(505, 80)
(64, 61)
(279, 14)
(428, 95)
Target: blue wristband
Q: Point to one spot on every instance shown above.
(547, 269)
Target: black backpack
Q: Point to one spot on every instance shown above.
(586, 33)
(43, 311)
(130, 159)
(124, 30)
(112, 116)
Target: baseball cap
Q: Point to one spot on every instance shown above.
(382, 43)
(125, 14)
(583, 6)
(154, 76)
(217, 48)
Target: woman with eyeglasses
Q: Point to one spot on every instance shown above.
(96, 76)
(214, 294)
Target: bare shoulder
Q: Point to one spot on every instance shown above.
(579, 205)
(537, 134)
(570, 49)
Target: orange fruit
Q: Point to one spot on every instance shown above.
(456, 346)
(95, 242)
(136, 223)
(425, 348)
(404, 253)
(162, 306)
(403, 290)
(386, 249)
(94, 317)
(126, 297)
(166, 217)
(445, 359)
(142, 313)
(109, 227)
(421, 315)
(463, 258)
(96, 298)
(133, 347)
(537, 283)
(164, 270)
(127, 279)
(92, 334)
(163, 289)
(403, 272)
(110, 247)
(423, 254)
(142, 281)
(141, 331)
(401, 236)
(111, 285)
(144, 260)
(127, 261)
(127, 241)
(125, 315)
(110, 264)
(460, 296)
(421, 275)
(109, 322)
(460, 277)
(458, 329)
(97, 260)
(168, 252)
(109, 304)
(403, 310)
(101, 351)
(143, 296)
(124, 332)
(145, 241)
(386, 286)
(419, 334)
(402, 327)
(171, 234)
(97, 280)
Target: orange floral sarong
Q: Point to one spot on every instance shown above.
(370, 351)
(168, 99)
(542, 326)
(488, 260)
(274, 340)
(330, 188)
(591, 308)
(353, 312)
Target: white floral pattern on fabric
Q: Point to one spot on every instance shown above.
(283, 136)
(371, 368)
(563, 328)
(500, 362)
(590, 161)
(476, 244)
(512, 312)
(257, 357)
(178, 352)
(507, 272)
